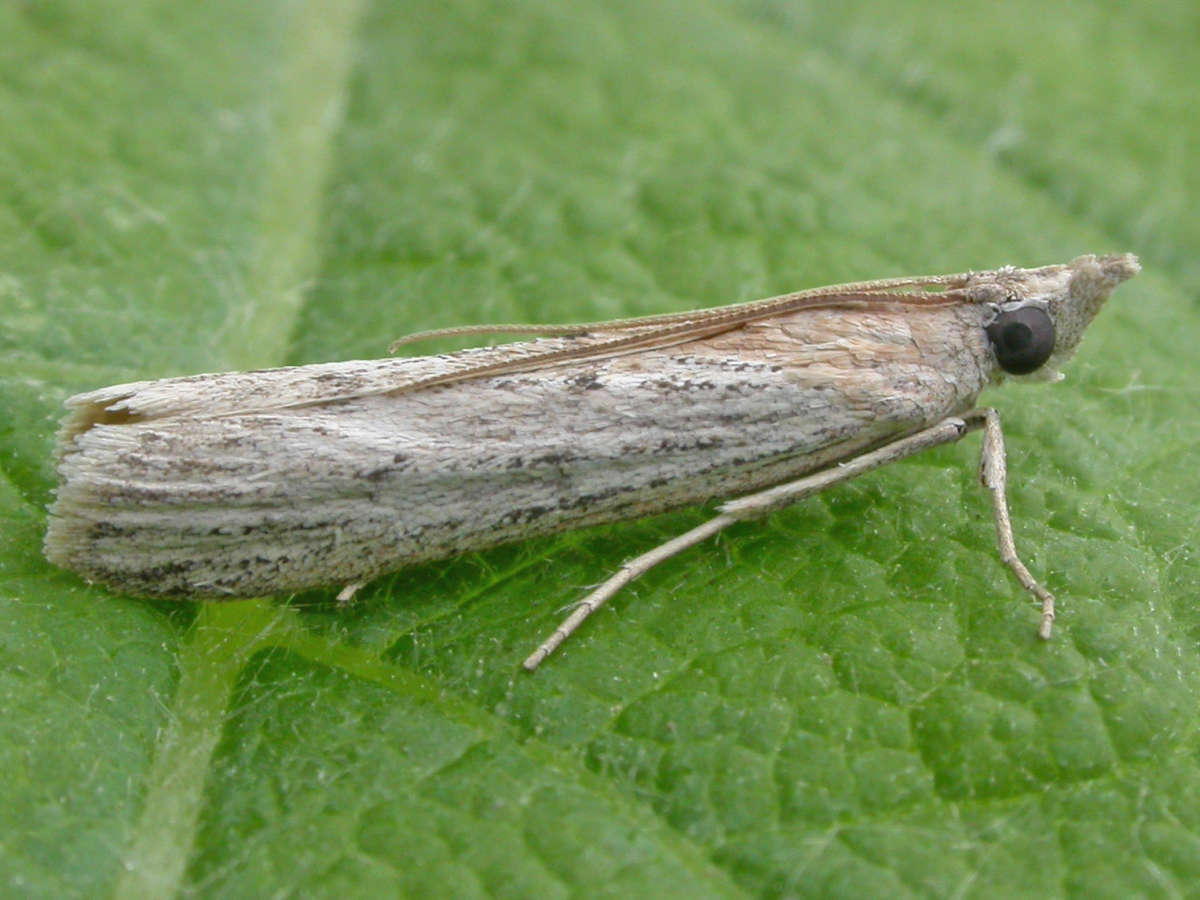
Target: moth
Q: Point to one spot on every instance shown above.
(254, 483)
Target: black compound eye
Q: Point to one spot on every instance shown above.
(1023, 339)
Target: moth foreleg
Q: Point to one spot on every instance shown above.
(993, 474)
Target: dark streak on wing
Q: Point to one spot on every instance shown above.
(656, 332)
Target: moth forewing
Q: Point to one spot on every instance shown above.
(243, 484)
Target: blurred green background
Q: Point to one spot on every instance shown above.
(846, 700)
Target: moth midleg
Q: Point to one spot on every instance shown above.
(626, 573)
(993, 474)
(754, 506)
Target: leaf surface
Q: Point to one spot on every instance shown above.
(844, 700)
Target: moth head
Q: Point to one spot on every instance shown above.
(1036, 317)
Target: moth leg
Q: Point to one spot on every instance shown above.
(346, 595)
(752, 507)
(993, 474)
(628, 571)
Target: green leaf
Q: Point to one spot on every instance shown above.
(846, 699)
